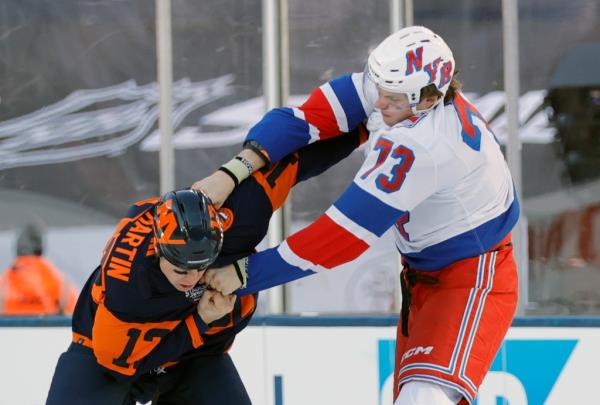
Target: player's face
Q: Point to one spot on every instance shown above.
(181, 279)
(394, 107)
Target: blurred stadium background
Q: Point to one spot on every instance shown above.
(79, 108)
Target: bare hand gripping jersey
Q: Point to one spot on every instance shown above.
(439, 179)
(129, 314)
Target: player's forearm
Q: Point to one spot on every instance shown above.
(255, 154)
(346, 230)
(219, 185)
(238, 169)
(254, 158)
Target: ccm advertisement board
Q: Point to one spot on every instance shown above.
(351, 365)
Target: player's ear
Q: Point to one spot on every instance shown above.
(429, 101)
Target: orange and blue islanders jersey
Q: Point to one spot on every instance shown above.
(130, 315)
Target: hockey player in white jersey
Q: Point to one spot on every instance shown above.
(435, 173)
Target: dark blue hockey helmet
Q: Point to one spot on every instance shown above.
(187, 229)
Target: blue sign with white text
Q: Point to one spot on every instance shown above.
(523, 371)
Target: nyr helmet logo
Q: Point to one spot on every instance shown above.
(414, 63)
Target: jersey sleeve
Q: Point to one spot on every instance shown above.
(334, 108)
(318, 157)
(382, 192)
(130, 348)
(140, 207)
(193, 333)
(278, 179)
(128, 324)
(119, 345)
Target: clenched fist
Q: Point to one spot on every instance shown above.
(213, 305)
(224, 279)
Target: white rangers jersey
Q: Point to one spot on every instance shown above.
(449, 179)
(438, 178)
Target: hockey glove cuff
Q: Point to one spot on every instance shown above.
(241, 268)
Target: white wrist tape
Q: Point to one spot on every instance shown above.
(246, 163)
(237, 170)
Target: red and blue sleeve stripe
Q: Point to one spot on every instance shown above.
(346, 91)
(331, 109)
(339, 236)
(367, 210)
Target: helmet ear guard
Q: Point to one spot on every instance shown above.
(187, 230)
(406, 62)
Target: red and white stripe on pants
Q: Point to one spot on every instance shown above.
(456, 327)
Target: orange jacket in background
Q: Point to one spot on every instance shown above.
(33, 286)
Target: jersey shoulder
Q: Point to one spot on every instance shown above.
(141, 206)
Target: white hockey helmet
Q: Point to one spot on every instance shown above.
(406, 61)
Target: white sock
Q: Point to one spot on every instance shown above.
(427, 393)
